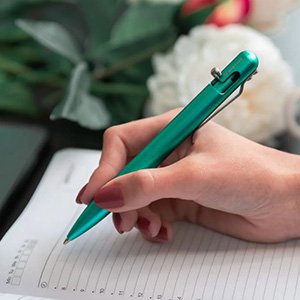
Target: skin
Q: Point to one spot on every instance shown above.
(216, 179)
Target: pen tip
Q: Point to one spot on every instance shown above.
(66, 241)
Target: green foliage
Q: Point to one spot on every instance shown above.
(155, 19)
(79, 105)
(90, 57)
(10, 34)
(53, 36)
(100, 17)
(16, 97)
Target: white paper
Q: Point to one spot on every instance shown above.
(21, 297)
(101, 264)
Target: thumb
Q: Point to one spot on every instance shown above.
(139, 189)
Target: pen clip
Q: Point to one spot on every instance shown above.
(216, 73)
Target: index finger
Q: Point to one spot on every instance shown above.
(120, 144)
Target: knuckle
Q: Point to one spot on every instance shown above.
(194, 170)
(144, 180)
(197, 174)
(111, 132)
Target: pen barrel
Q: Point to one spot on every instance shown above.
(195, 113)
(183, 125)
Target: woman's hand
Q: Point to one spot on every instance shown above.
(215, 178)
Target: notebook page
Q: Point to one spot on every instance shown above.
(197, 264)
(20, 297)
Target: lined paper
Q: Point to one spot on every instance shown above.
(21, 297)
(101, 264)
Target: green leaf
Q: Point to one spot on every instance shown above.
(53, 36)
(78, 105)
(132, 62)
(23, 53)
(9, 65)
(8, 6)
(100, 15)
(34, 64)
(142, 20)
(120, 88)
(125, 109)
(10, 33)
(15, 97)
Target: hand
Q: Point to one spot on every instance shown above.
(215, 178)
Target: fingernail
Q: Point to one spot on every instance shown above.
(143, 225)
(109, 197)
(78, 198)
(117, 221)
(162, 234)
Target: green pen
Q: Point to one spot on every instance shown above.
(200, 110)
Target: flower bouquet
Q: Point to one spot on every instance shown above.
(104, 62)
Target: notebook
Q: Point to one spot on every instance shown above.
(101, 264)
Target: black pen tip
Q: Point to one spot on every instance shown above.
(66, 241)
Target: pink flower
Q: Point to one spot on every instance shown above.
(230, 11)
(192, 6)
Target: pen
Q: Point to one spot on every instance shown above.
(201, 109)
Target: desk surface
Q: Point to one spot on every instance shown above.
(20, 153)
(19, 149)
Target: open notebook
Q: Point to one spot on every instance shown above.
(101, 264)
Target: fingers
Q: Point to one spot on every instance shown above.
(125, 222)
(124, 141)
(120, 144)
(139, 189)
(164, 234)
(146, 221)
(154, 228)
(100, 176)
(226, 223)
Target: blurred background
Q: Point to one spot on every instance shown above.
(69, 69)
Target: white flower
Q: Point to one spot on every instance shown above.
(269, 14)
(182, 73)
